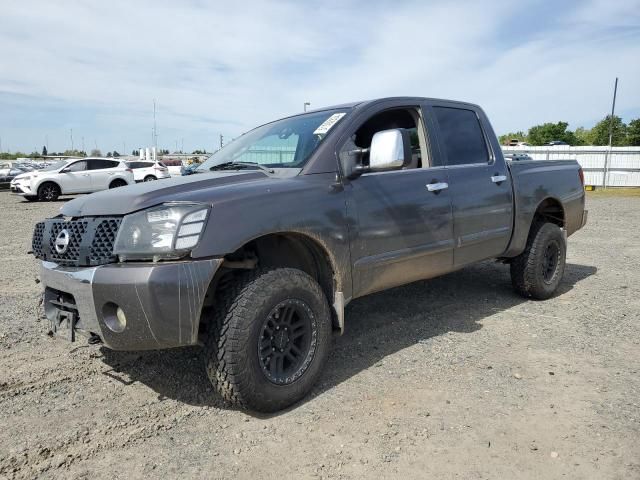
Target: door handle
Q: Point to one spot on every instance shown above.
(498, 179)
(436, 187)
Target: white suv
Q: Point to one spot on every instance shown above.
(82, 175)
(144, 171)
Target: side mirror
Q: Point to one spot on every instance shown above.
(64, 170)
(390, 149)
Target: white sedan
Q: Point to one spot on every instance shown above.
(81, 175)
(144, 171)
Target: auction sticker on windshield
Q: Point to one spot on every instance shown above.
(328, 123)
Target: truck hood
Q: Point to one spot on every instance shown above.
(123, 200)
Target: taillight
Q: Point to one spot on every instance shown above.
(581, 175)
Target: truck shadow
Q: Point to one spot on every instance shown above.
(377, 326)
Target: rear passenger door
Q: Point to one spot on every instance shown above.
(101, 172)
(479, 183)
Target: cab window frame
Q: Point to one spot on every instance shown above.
(443, 153)
(424, 138)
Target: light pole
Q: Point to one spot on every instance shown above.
(306, 104)
(608, 154)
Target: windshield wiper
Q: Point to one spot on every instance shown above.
(240, 165)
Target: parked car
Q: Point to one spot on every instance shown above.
(555, 143)
(256, 255)
(144, 171)
(67, 177)
(174, 165)
(189, 169)
(7, 175)
(517, 157)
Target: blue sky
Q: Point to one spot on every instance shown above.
(223, 67)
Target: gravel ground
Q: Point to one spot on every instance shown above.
(453, 378)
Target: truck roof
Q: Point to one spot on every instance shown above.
(372, 101)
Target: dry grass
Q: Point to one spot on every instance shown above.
(614, 192)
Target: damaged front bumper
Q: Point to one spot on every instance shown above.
(137, 306)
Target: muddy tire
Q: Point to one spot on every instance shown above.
(269, 339)
(48, 192)
(537, 272)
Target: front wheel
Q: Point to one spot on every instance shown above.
(538, 271)
(48, 192)
(149, 178)
(269, 339)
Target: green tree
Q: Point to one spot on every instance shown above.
(600, 133)
(96, 152)
(547, 132)
(115, 154)
(583, 136)
(44, 151)
(633, 133)
(74, 153)
(506, 138)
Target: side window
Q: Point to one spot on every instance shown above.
(405, 118)
(77, 166)
(461, 136)
(101, 164)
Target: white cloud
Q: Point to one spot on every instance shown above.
(222, 67)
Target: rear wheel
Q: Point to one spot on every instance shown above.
(149, 178)
(118, 183)
(538, 271)
(48, 192)
(269, 339)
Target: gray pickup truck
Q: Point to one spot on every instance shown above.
(256, 255)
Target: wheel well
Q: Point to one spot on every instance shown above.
(280, 250)
(118, 180)
(49, 182)
(150, 175)
(550, 210)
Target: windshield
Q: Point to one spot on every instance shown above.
(55, 166)
(286, 143)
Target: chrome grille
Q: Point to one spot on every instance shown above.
(36, 242)
(90, 240)
(103, 241)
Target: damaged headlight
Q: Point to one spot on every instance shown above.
(169, 231)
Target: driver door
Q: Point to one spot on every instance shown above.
(74, 178)
(403, 228)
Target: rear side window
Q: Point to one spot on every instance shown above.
(136, 165)
(461, 136)
(101, 164)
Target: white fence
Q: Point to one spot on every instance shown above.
(622, 163)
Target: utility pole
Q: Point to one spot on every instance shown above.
(71, 134)
(605, 174)
(83, 145)
(182, 146)
(221, 141)
(306, 104)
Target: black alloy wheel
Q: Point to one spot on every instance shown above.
(550, 261)
(287, 342)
